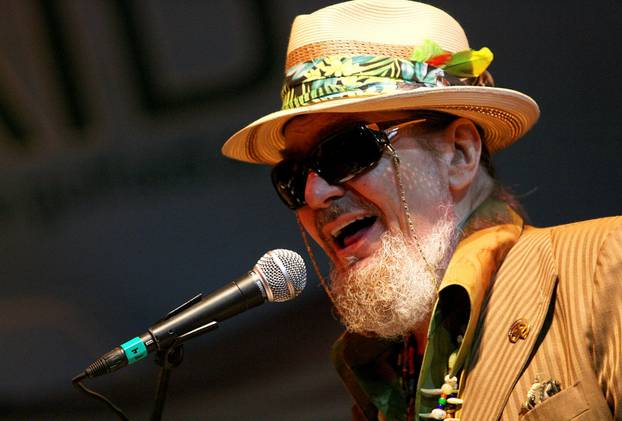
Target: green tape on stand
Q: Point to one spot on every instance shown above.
(135, 350)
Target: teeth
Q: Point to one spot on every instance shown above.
(352, 259)
(335, 232)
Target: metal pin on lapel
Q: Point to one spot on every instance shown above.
(518, 330)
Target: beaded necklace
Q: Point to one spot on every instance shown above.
(448, 401)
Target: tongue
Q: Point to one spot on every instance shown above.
(353, 238)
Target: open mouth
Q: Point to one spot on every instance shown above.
(352, 232)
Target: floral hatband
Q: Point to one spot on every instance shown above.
(338, 76)
(345, 76)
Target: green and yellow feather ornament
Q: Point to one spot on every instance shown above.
(467, 63)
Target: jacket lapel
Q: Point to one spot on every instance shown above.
(522, 292)
(466, 281)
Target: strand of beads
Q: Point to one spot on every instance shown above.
(448, 400)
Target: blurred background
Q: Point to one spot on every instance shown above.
(116, 205)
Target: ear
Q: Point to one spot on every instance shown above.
(463, 150)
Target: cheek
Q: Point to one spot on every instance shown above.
(424, 176)
(420, 176)
(427, 193)
(421, 180)
(378, 183)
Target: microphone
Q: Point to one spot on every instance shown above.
(279, 275)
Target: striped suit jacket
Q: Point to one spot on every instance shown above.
(566, 282)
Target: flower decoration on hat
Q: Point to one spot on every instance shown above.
(468, 63)
(346, 76)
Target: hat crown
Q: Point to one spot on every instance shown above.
(368, 24)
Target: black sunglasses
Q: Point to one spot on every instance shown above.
(336, 159)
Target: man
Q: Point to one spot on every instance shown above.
(454, 308)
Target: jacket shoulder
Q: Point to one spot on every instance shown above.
(597, 226)
(578, 237)
(585, 238)
(572, 251)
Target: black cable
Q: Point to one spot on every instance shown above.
(77, 383)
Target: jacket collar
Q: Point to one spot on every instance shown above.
(476, 259)
(488, 236)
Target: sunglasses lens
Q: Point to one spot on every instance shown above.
(345, 155)
(336, 160)
(289, 179)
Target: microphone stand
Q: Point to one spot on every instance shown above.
(167, 360)
(170, 358)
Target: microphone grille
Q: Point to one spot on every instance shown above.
(283, 273)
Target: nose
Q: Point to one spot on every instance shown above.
(319, 193)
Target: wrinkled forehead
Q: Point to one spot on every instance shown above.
(305, 131)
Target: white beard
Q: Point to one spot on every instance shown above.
(392, 293)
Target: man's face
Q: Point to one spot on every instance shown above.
(348, 220)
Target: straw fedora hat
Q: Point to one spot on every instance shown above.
(382, 55)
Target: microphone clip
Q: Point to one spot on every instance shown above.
(170, 358)
(182, 307)
(173, 355)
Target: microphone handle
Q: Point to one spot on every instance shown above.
(241, 294)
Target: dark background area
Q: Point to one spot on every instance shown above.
(116, 206)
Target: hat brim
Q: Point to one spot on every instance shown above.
(504, 116)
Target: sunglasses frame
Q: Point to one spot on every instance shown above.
(292, 190)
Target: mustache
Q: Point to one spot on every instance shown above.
(340, 207)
